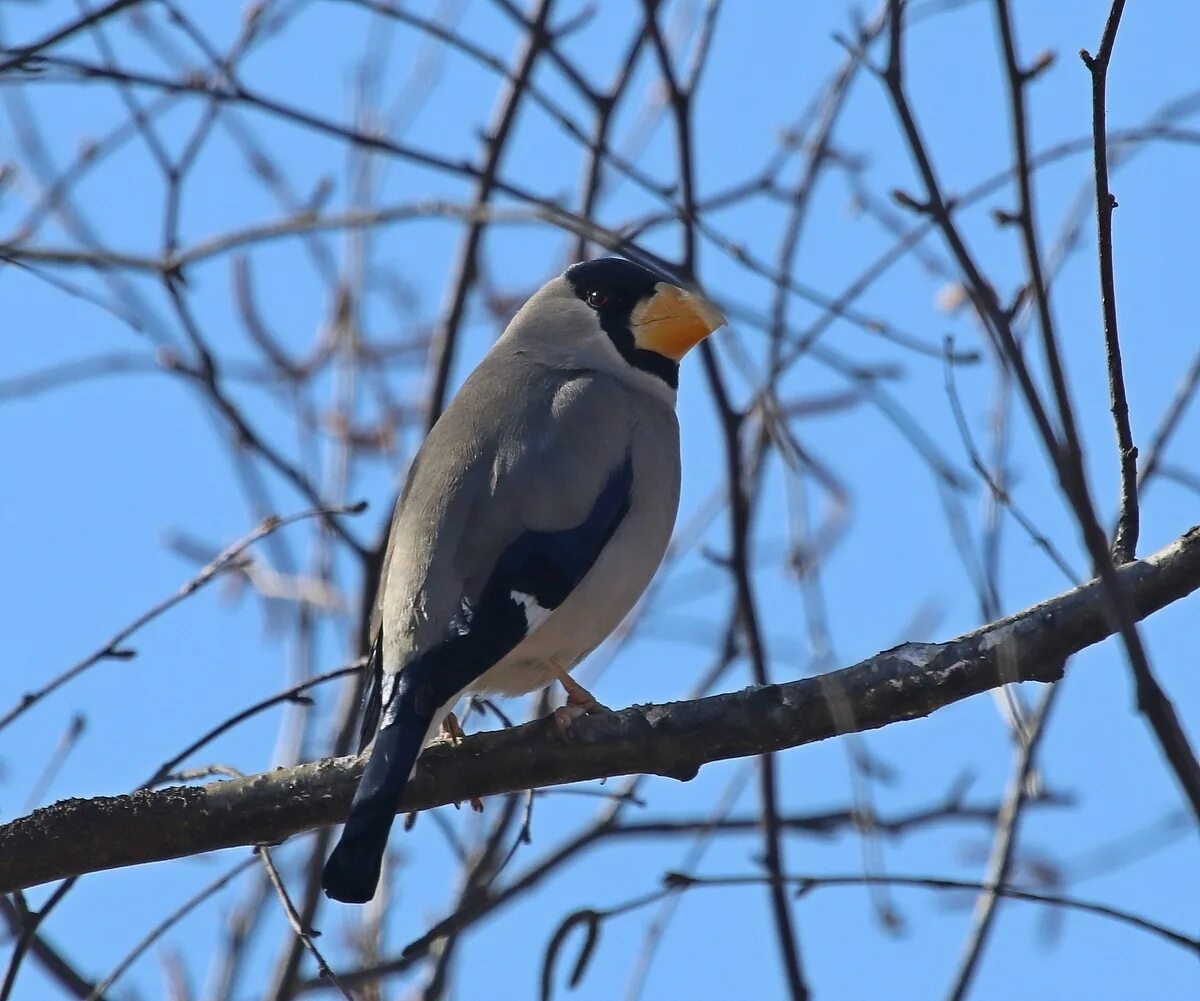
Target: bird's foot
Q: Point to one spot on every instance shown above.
(578, 697)
(452, 733)
(451, 730)
(564, 716)
(475, 802)
(580, 702)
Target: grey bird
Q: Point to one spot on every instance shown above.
(534, 516)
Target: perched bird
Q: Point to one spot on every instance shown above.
(534, 516)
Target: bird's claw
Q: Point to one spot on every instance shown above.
(580, 702)
(578, 696)
(451, 731)
(564, 716)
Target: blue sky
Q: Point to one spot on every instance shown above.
(100, 473)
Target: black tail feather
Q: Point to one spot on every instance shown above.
(352, 872)
(406, 702)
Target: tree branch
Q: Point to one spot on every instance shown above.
(910, 681)
(18, 57)
(1125, 540)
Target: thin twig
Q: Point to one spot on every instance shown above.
(1065, 452)
(20, 56)
(1170, 423)
(166, 924)
(806, 884)
(292, 694)
(30, 921)
(264, 853)
(53, 963)
(680, 101)
(1004, 846)
(1124, 545)
(228, 559)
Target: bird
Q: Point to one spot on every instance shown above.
(534, 516)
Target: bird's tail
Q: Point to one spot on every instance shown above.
(352, 871)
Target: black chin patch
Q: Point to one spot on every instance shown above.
(648, 361)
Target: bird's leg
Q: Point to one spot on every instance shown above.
(580, 702)
(577, 695)
(451, 731)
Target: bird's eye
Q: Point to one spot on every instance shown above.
(597, 300)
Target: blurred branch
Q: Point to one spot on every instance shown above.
(175, 261)
(294, 694)
(674, 740)
(1004, 846)
(827, 825)
(674, 883)
(118, 363)
(1170, 423)
(19, 56)
(466, 267)
(167, 923)
(1064, 450)
(806, 884)
(27, 941)
(56, 966)
(226, 560)
(302, 933)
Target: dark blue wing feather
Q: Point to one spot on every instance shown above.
(547, 566)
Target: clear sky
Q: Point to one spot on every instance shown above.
(100, 474)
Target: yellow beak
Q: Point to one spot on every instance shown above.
(673, 321)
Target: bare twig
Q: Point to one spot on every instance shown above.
(1170, 423)
(1063, 451)
(302, 933)
(1124, 544)
(30, 921)
(166, 924)
(467, 265)
(21, 56)
(806, 884)
(292, 694)
(226, 560)
(53, 962)
(1003, 847)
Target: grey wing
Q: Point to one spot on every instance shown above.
(520, 483)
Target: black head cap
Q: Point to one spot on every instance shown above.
(614, 277)
(613, 287)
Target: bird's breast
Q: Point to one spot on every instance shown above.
(616, 580)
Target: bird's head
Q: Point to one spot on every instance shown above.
(606, 304)
(652, 322)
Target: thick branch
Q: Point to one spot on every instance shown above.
(910, 681)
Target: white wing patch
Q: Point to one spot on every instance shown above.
(535, 614)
